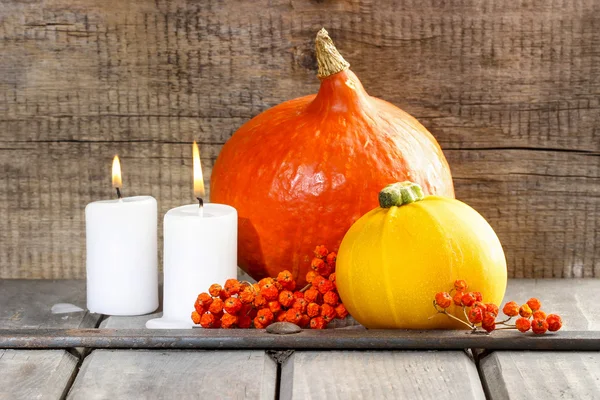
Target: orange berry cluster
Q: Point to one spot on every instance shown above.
(244, 305)
(485, 314)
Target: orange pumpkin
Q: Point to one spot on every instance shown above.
(301, 173)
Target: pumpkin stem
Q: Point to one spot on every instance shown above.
(329, 58)
(400, 193)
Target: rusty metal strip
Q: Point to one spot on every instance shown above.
(307, 339)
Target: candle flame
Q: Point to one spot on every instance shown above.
(198, 178)
(116, 173)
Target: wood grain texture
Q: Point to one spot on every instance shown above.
(175, 374)
(511, 91)
(534, 375)
(35, 374)
(28, 304)
(380, 375)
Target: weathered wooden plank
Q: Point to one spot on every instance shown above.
(574, 299)
(380, 375)
(39, 374)
(534, 375)
(28, 304)
(510, 90)
(175, 374)
(345, 338)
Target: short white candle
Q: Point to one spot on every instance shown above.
(121, 264)
(199, 250)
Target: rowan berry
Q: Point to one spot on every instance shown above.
(264, 281)
(269, 292)
(488, 318)
(259, 301)
(278, 286)
(298, 294)
(265, 316)
(232, 305)
(331, 258)
(479, 304)
(196, 317)
(317, 323)
(313, 309)
(286, 279)
(539, 314)
(328, 312)
(443, 299)
(293, 315)
(457, 298)
(208, 321)
(341, 311)
(534, 304)
(325, 286)
(331, 298)
(217, 306)
(304, 321)
(511, 309)
(460, 285)
(321, 251)
(198, 307)
(204, 299)
(332, 277)
(492, 308)
(280, 317)
(258, 324)
(489, 327)
(468, 299)
(247, 295)
(215, 290)
(228, 321)
(274, 306)
(244, 321)
(554, 322)
(311, 295)
(317, 265)
(525, 311)
(523, 324)
(232, 286)
(300, 305)
(478, 296)
(286, 298)
(539, 326)
(310, 275)
(224, 295)
(475, 315)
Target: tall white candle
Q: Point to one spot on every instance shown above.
(121, 264)
(122, 273)
(199, 250)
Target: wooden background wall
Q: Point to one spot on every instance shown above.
(511, 89)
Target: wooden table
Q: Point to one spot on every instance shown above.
(107, 372)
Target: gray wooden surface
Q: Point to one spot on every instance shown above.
(380, 375)
(510, 90)
(35, 374)
(115, 374)
(542, 375)
(27, 304)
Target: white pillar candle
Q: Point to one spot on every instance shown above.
(122, 273)
(200, 248)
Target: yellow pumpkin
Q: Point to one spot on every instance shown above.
(395, 258)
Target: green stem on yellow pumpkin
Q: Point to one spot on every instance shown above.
(400, 193)
(328, 57)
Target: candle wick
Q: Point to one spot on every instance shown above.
(200, 206)
(119, 196)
